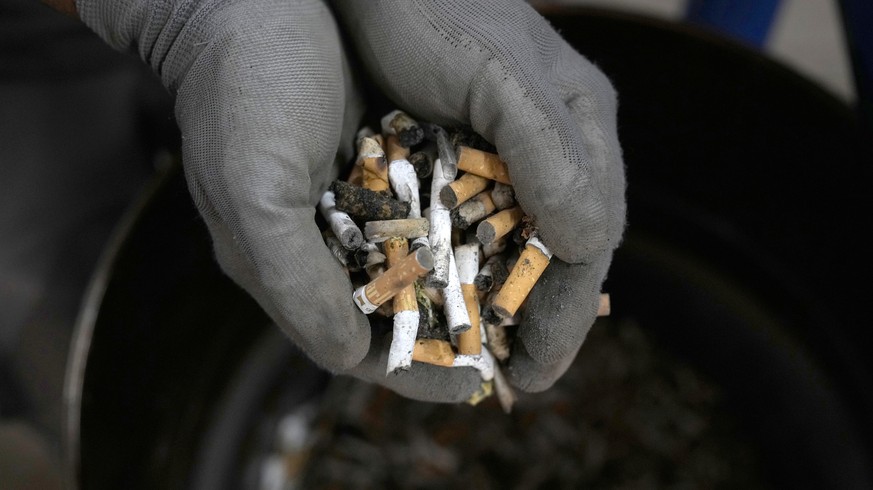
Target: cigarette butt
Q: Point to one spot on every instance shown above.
(404, 181)
(375, 173)
(408, 132)
(379, 231)
(526, 272)
(448, 159)
(397, 277)
(492, 275)
(340, 222)
(369, 145)
(483, 164)
(478, 207)
(498, 341)
(459, 191)
(455, 308)
(434, 295)
(336, 248)
(499, 224)
(604, 308)
(467, 260)
(496, 247)
(486, 389)
(394, 150)
(503, 196)
(405, 312)
(440, 234)
(503, 390)
(422, 162)
(367, 205)
(470, 341)
(483, 363)
(433, 351)
(395, 250)
(356, 176)
(364, 132)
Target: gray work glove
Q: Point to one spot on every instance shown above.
(500, 67)
(267, 109)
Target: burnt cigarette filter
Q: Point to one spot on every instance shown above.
(340, 222)
(343, 256)
(499, 224)
(483, 164)
(503, 196)
(379, 231)
(406, 316)
(472, 211)
(402, 274)
(459, 191)
(408, 131)
(492, 275)
(496, 247)
(422, 162)
(465, 136)
(367, 205)
(526, 272)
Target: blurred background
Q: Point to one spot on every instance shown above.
(85, 132)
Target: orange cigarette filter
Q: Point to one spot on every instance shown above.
(605, 307)
(433, 351)
(375, 293)
(526, 272)
(356, 176)
(394, 150)
(395, 250)
(464, 188)
(499, 224)
(470, 341)
(375, 173)
(483, 164)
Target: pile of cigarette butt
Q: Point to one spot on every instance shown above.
(453, 275)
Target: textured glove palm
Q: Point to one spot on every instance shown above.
(266, 106)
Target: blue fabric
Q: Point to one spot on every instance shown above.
(747, 20)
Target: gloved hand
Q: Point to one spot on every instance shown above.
(267, 109)
(499, 66)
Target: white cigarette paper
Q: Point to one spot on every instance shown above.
(455, 307)
(484, 363)
(405, 329)
(341, 224)
(440, 236)
(467, 258)
(404, 181)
